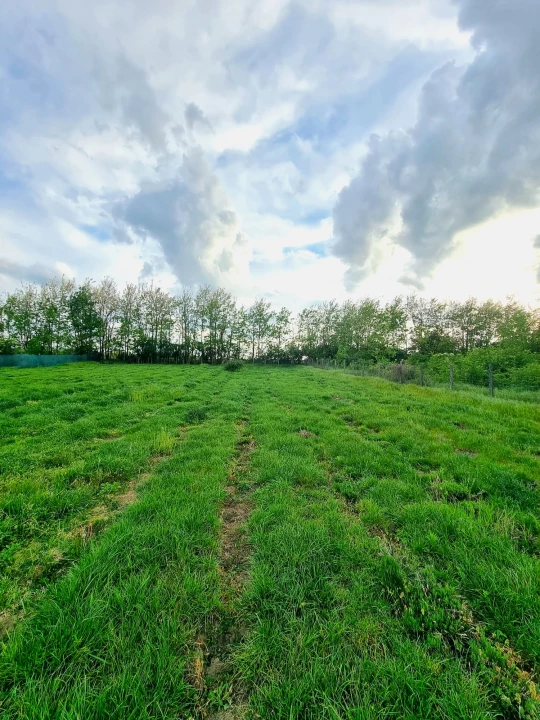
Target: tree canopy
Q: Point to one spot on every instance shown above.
(145, 323)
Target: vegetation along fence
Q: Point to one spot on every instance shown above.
(450, 375)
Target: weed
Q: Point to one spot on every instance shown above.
(233, 365)
(196, 415)
(163, 443)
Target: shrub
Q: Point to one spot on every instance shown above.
(511, 367)
(233, 365)
(195, 415)
(528, 376)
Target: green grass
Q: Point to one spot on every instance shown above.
(389, 537)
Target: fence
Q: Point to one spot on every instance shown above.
(26, 361)
(419, 374)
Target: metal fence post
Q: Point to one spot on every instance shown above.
(491, 388)
(421, 376)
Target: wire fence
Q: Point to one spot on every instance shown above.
(490, 381)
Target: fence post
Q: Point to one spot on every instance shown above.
(451, 377)
(421, 376)
(401, 372)
(491, 388)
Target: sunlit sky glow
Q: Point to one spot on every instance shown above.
(299, 151)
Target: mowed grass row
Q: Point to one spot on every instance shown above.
(395, 570)
(73, 442)
(115, 636)
(394, 567)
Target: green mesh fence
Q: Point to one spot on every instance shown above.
(25, 361)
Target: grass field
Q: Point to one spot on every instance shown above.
(183, 542)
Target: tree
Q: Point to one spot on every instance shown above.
(360, 331)
(280, 331)
(393, 320)
(186, 325)
(431, 326)
(21, 313)
(129, 313)
(516, 325)
(147, 323)
(258, 319)
(106, 303)
(84, 319)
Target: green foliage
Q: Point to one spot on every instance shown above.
(85, 320)
(233, 365)
(512, 366)
(145, 324)
(196, 415)
(453, 491)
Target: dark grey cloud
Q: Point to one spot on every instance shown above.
(194, 116)
(146, 272)
(473, 152)
(35, 273)
(152, 268)
(191, 219)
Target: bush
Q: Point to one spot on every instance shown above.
(527, 377)
(511, 367)
(233, 365)
(195, 415)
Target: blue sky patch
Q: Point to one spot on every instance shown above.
(99, 232)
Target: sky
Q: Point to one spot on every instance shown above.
(297, 151)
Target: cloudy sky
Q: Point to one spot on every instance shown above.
(299, 151)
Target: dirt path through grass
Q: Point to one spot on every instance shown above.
(221, 696)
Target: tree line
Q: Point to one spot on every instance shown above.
(146, 324)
